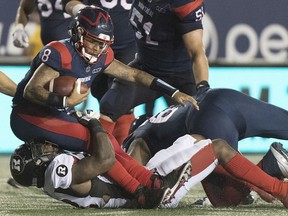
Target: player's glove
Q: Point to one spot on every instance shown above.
(20, 36)
(89, 120)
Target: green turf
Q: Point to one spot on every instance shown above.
(31, 201)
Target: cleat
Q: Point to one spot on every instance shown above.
(183, 173)
(151, 198)
(176, 179)
(281, 155)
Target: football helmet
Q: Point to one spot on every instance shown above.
(94, 23)
(30, 160)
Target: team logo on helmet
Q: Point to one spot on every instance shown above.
(93, 23)
(17, 164)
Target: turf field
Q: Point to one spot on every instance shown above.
(31, 201)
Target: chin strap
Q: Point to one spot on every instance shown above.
(89, 58)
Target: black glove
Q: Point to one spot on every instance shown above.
(201, 88)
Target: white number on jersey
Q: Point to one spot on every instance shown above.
(147, 26)
(164, 115)
(49, 8)
(111, 4)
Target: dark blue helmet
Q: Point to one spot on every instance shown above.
(94, 23)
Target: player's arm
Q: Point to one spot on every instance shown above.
(101, 160)
(190, 26)
(35, 92)
(125, 72)
(194, 44)
(20, 37)
(7, 86)
(72, 6)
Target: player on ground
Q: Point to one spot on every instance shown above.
(58, 177)
(38, 113)
(74, 172)
(223, 113)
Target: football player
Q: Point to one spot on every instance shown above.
(38, 113)
(169, 38)
(124, 48)
(224, 113)
(77, 173)
(63, 178)
(53, 21)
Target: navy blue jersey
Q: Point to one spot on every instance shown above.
(224, 113)
(161, 130)
(119, 12)
(62, 57)
(159, 27)
(54, 22)
(29, 120)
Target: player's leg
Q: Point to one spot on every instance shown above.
(224, 191)
(125, 55)
(263, 120)
(241, 168)
(55, 126)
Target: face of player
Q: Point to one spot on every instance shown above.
(94, 47)
(48, 148)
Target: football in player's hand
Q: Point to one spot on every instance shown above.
(63, 85)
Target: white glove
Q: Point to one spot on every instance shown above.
(20, 36)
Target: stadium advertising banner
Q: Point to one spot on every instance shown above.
(246, 31)
(267, 84)
(241, 32)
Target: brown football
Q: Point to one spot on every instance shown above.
(63, 85)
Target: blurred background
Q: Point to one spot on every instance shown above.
(246, 43)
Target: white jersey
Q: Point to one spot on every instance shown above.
(58, 178)
(105, 194)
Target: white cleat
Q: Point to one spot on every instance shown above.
(281, 156)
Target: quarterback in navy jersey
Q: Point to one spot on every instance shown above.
(124, 47)
(53, 21)
(85, 55)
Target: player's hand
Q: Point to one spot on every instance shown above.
(20, 37)
(76, 97)
(181, 97)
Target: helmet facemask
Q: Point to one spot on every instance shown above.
(103, 41)
(43, 152)
(29, 161)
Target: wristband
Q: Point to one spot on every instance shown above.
(174, 93)
(56, 100)
(159, 85)
(203, 83)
